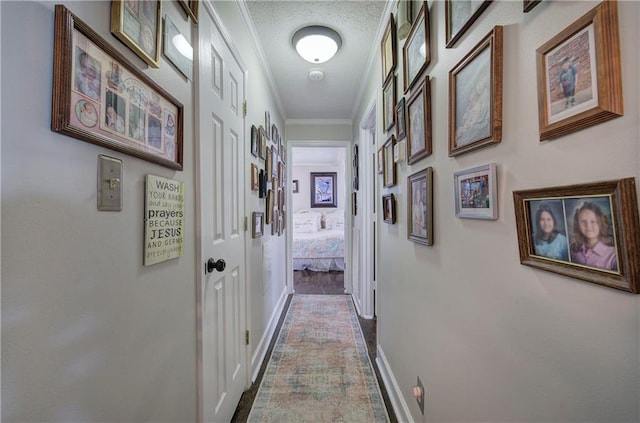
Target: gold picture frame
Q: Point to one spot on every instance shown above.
(137, 24)
(388, 49)
(420, 207)
(579, 74)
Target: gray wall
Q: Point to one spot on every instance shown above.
(493, 340)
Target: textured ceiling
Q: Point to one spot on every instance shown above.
(335, 96)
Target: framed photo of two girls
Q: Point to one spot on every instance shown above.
(586, 231)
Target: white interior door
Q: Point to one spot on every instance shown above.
(222, 305)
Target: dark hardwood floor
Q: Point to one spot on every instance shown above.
(327, 283)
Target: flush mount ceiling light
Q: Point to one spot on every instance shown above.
(316, 43)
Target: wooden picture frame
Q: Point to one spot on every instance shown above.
(419, 123)
(527, 5)
(459, 16)
(274, 162)
(389, 172)
(255, 141)
(380, 161)
(389, 208)
(269, 164)
(420, 207)
(475, 96)
(476, 193)
(255, 177)
(295, 186)
(269, 207)
(354, 203)
(592, 232)
(389, 103)
(181, 61)
(137, 25)
(257, 227)
(388, 49)
(579, 74)
(416, 52)
(401, 120)
(191, 8)
(88, 78)
(323, 189)
(262, 184)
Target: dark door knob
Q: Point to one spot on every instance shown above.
(218, 265)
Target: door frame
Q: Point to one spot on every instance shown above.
(348, 220)
(367, 147)
(208, 7)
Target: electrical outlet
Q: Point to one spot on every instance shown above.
(418, 393)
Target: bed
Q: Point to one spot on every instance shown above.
(318, 248)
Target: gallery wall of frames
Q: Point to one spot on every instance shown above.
(579, 85)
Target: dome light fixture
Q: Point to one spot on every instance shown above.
(316, 43)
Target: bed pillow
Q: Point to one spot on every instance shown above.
(335, 220)
(306, 222)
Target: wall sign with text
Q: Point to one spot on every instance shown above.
(164, 219)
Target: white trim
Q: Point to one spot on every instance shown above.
(375, 51)
(303, 122)
(393, 389)
(246, 17)
(263, 346)
(225, 35)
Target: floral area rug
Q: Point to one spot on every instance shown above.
(319, 371)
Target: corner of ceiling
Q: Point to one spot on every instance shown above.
(244, 12)
(389, 7)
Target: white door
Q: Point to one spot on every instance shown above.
(221, 291)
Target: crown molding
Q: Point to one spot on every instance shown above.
(304, 122)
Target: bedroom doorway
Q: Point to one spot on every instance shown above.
(319, 214)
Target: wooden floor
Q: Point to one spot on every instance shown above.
(327, 283)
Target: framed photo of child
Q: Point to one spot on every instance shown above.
(578, 74)
(100, 97)
(586, 231)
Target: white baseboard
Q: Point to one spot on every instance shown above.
(263, 345)
(393, 389)
(356, 302)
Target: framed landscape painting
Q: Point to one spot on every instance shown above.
(586, 231)
(475, 97)
(579, 74)
(416, 52)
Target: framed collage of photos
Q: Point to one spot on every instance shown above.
(137, 24)
(585, 231)
(579, 74)
(475, 97)
(102, 98)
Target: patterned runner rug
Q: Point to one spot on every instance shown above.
(319, 371)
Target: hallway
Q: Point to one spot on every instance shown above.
(325, 283)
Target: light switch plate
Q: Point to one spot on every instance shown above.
(109, 183)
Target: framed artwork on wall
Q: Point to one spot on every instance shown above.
(459, 16)
(179, 57)
(191, 8)
(420, 207)
(388, 103)
(380, 161)
(388, 49)
(579, 74)
(257, 227)
(416, 52)
(255, 141)
(476, 194)
(323, 189)
(389, 208)
(527, 5)
(419, 122)
(401, 120)
(586, 231)
(389, 175)
(475, 97)
(295, 186)
(89, 81)
(137, 25)
(255, 177)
